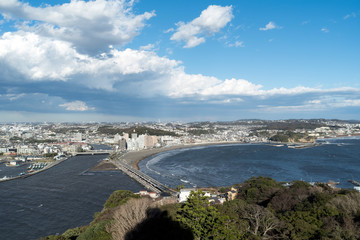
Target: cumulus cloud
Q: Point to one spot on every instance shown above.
(105, 22)
(139, 73)
(76, 106)
(210, 21)
(269, 26)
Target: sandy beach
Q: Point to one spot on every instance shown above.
(133, 158)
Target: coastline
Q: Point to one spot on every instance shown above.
(134, 158)
(35, 172)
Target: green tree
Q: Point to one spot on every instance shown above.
(204, 220)
(119, 197)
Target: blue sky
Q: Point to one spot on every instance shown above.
(117, 60)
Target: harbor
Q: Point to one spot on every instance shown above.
(32, 169)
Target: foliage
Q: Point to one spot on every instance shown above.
(139, 130)
(16, 139)
(259, 190)
(53, 237)
(179, 187)
(171, 209)
(73, 233)
(279, 138)
(35, 141)
(66, 130)
(96, 231)
(119, 197)
(264, 209)
(198, 132)
(291, 125)
(50, 155)
(290, 136)
(203, 220)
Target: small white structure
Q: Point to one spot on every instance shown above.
(144, 193)
(13, 163)
(153, 195)
(184, 194)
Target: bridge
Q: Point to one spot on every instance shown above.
(93, 152)
(141, 177)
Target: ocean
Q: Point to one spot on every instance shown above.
(67, 195)
(64, 196)
(335, 159)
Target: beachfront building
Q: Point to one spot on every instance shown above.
(141, 142)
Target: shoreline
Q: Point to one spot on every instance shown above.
(134, 158)
(35, 172)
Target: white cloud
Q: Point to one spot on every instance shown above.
(269, 26)
(13, 97)
(76, 106)
(325, 30)
(324, 103)
(236, 44)
(105, 22)
(147, 47)
(351, 15)
(210, 21)
(133, 72)
(169, 30)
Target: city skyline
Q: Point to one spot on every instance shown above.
(67, 61)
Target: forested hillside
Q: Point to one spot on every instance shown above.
(263, 209)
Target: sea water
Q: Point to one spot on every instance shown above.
(64, 196)
(335, 159)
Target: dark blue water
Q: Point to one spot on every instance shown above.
(336, 159)
(59, 198)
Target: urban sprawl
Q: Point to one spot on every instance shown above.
(53, 139)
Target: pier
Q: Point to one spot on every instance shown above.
(148, 182)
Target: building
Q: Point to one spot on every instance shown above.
(185, 193)
(231, 195)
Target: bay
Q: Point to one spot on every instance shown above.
(335, 159)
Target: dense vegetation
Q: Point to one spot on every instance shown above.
(289, 136)
(291, 125)
(34, 140)
(263, 209)
(198, 132)
(137, 129)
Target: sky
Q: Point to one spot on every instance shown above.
(208, 60)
